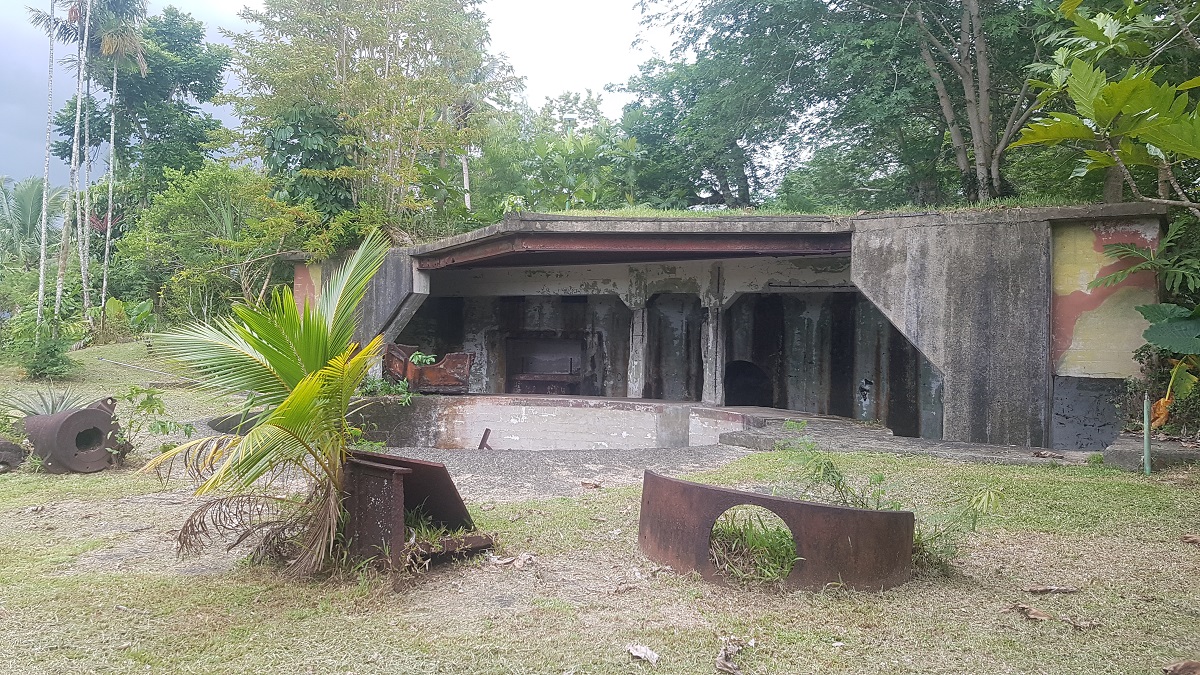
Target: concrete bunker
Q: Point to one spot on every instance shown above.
(970, 326)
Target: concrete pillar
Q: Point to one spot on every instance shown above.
(636, 387)
(712, 347)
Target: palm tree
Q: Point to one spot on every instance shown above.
(303, 368)
(83, 30)
(120, 39)
(21, 209)
(41, 294)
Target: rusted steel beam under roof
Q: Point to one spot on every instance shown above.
(528, 249)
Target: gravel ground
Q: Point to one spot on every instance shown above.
(517, 475)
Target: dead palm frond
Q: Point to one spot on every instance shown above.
(302, 365)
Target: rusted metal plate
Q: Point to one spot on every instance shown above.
(82, 440)
(568, 248)
(428, 487)
(449, 375)
(374, 501)
(855, 548)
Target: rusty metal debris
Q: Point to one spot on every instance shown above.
(853, 548)
(450, 375)
(11, 456)
(381, 489)
(80, 440)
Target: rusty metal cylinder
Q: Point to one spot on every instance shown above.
(80, 440)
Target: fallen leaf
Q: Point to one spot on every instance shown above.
(1183, 668)
(1081, 624)
(1041, 590)
(642, 652)
(503, 561)
(1191, 539)
(1046, 454)
(591, 484)
(487, 507)
(523, 560)
(724, 662)
(1158, 411)
(598, 519)
(1030, 613)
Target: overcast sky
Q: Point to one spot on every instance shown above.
(556, 45)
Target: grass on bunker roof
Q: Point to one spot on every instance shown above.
(589, 592)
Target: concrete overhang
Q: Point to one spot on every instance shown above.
(528, 240)
(542, 240)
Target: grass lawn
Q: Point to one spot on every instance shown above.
(90, 582)
(65, 608)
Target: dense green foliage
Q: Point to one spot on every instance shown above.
(159, 123)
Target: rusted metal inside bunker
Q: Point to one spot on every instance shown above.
(830, 353)
(574, 344)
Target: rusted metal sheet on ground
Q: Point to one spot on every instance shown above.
(854, 548)
(82, 440)
(427, 487)
(449, 375)
(380, 489)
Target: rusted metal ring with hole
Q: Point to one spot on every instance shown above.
(80, 440)
(859, 549)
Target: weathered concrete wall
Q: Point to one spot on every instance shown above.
(972, 293)
(543, 423)
(1096, 329)
(1086, 416)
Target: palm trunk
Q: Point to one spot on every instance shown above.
(466, 181)
(73, 204)
(41, 294)
(112, 179)
(85, 239)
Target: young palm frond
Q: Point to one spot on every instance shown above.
(301, 364)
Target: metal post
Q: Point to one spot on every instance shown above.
(1146, 434)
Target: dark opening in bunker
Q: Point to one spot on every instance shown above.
(675, 364)
(829, 353)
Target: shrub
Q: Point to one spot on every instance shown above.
(40, 351)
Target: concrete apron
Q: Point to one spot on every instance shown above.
(545, 422)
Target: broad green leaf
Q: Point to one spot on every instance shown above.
(1184, 383)
(1163, 312)
(1084, 85)
(1068, 7)
(1181, 336)
(1057, 128)
(1089, 30)
(1116, 97)
(1189, 84)
(1180, 137)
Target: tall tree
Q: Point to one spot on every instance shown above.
(384, 76)
(159, 124)
(915, 81)
(51, 30)
(120, 40)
